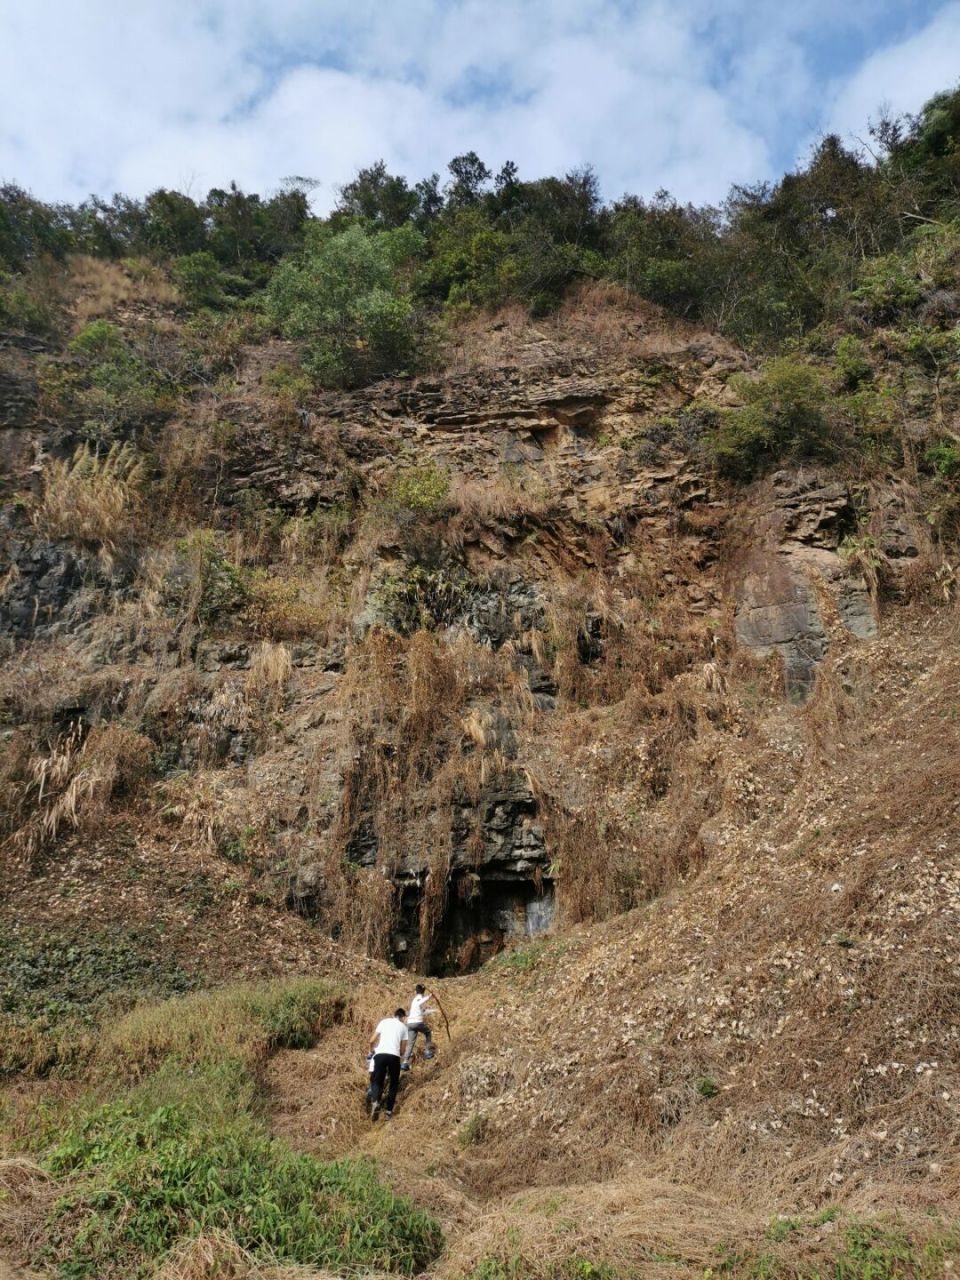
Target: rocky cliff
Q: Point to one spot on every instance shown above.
(433, 662)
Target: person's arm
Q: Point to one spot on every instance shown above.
(403, 1047)
(374, 1041)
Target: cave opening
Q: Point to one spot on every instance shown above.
(482, 915)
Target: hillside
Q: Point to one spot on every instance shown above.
(582, 650)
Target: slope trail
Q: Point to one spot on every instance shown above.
(776, 1036)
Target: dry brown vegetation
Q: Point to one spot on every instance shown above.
(507, 498)
(95, 499)
(410, 754)
(70, 785)
(103, 288)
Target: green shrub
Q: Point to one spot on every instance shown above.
(888, 287)
(178, 1156)
(518, 1267)
(420, 599)
(320, 535)
(851, 361)
(204, 581)
(148, 1174)
(877, 1251)
(117, 388)
(291, 387)
(931, 349)
(201, 279)
(785, 415)
(471, 264)
(418, 491)
(521, 959)
(872, 411)
(213, 341)
(473, 1131)
(31, 300)
(100, 338)
(944, 458)
(347, 299)
(892, 285)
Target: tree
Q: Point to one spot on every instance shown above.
(429, 200)
(29, 228)
(346, 298)
(379, 197)
(173, 223)
(468, 178)
(784, 415)
(663, 250)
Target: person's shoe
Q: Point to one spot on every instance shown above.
(375, 1111)
(388, 1115)
(428, 1055)
(404, 1066)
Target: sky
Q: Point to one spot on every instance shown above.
(99, 96)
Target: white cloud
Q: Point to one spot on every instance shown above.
(692, 95)
(900, 77)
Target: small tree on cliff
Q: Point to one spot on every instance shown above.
(346, 297)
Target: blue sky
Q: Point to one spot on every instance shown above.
(691, 95)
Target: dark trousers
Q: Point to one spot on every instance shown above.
(385, 1066)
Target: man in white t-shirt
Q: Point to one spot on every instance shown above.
(417, 1024)
(388, 1045)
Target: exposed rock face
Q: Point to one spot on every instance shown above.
(795, 556)
(499, 883)
(20, 441)
(42, 584)
(580, 503)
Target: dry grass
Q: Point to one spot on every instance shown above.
(503, 498)
(27, 1193)
(600, 319)
(103, 288)
(271, 667)
(209, 807)
(70, 785)
(193, 453)
(95, 500)
(475, 342)
(214, 1256)
(210, 1027)
(635, 1225)
(282, 608)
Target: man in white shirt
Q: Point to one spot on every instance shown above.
(388, 1045)
(417, 1024)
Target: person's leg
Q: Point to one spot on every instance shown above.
(380, 1065)
(393, 1071)
(411, 1041)
(428, 1036)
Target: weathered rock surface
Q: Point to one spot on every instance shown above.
(579, 495)
(42, 583)
(801, 522)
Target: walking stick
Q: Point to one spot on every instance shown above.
(446, 1020)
